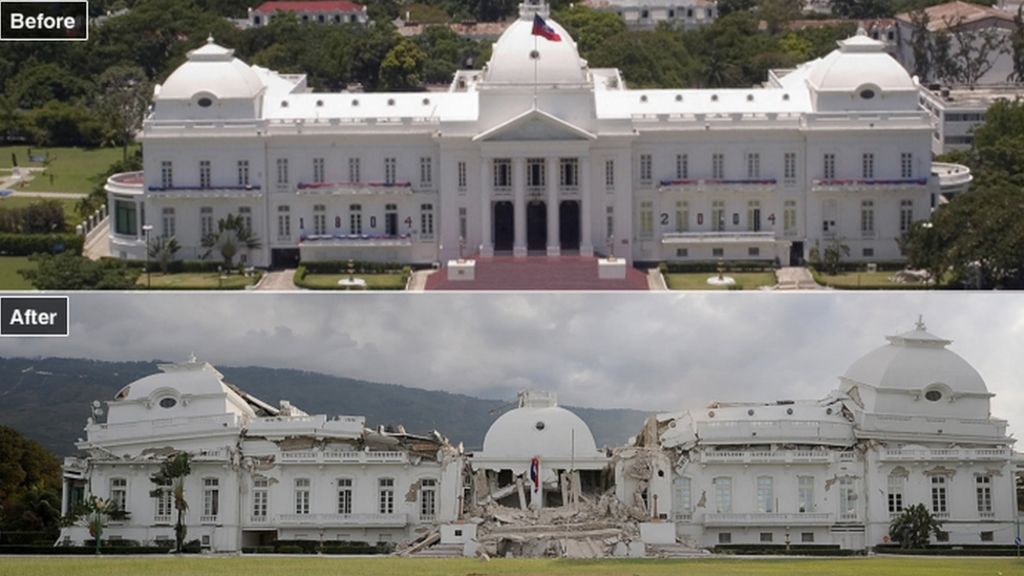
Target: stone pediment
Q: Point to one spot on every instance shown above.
(534, 125)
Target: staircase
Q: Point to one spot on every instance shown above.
(439, 551)
(674, 551)
(538, 273)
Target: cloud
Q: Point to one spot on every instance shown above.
(652, 352)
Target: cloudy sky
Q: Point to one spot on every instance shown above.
(652, 352)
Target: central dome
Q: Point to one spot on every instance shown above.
(539, 427)
(215, 71)
(512, 60)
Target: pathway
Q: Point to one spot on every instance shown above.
(795, 278)
(278, 281)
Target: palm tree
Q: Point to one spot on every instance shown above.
(173, 472)
(914, 526)
(162, 250)
(232, 235)
(97, 512)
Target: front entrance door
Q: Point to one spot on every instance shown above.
(391, 220)
(504, 226)
(796, 254)
(569, 225)
(536, 225)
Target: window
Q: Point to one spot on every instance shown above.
(789, 167)
(682, 252)
(867, 218)
(390, 170)
(164, 501)
(282, 170)
(867, 252)
(609, 174)
(986, 536)
(830, 166)
(725, 537)
(427, 220)
(168, 222)
(166, 175)
(766, 537)
(723, 495)
(243, 172)
(807, 537)
(867, 166)
(569, 172)
(319, 219)
(284, 223)
(318, 170)
(463, 224)
(353, 171)
(302, 496)
(682, 166)
(245, 215)
(717, 166)
(428, 499)
(897, 486)
(753, 165)
(942, 536)
(355, 219)
(502, 173)
(718, 215)
(460, 169)
(718, 252)
(204, 173)
(205, 221)
(646, 169)
(610, 225)
(939, 495)
(906, 215)
(789, 217)
(344, 496)
(681, 493)
(847, 499)
(426, 172)
(805, 494)
(125, 222)
(260, 499)
(535, 173)
(119, 493)
(646, 219)
(983, 485)
(906, 165)
(386, 496)
(765, 495)
(754, 216)
(682, 216)
(211, 496)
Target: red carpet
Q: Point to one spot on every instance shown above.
(537, 273)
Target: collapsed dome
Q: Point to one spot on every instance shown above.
(512, 56)
(916, 360)
(538, 428)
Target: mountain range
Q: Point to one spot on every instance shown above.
(48, 400)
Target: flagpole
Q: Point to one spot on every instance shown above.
(535, 59)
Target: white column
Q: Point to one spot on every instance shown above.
(586, 241)
(551, 179)
(519, 214)
(65, 498)
(486, 230)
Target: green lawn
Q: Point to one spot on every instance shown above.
(73, 169)
(865, 280)
(9, 277)
(196, 281)
(373, 281)
(326, 565)
(70, 212)
(699, 280)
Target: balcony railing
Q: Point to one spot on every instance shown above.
(849, 517)
(208, 519)
(767, 518)
(717, 237)
(767, 457)
(327, 520)
(741, 183)
(682, 515)
(354, 188)
(945, 454)
(837, 184)
(343, 457)
(161, 519)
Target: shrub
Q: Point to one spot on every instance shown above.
(913, 528)
(28, 244)
(290, 549)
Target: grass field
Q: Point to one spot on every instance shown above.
(865, 280)
(70, 213)
(9, 277)
(73, 169)
(699, 280)
(315, 566)
(196, 281)
(373, 281)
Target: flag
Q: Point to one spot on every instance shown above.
(535, 473)
(541, 28)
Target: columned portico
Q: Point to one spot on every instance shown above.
(551, 168)
(519, 196)
(486, 230)
(586, 243)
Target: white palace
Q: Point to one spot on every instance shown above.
(536, 154)
(909, 423)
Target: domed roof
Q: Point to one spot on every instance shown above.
(212, 69)
(538, 428)
(860, 62)
(187, 378)
(916, 360)
(511, 56)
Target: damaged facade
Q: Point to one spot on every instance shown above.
(909, 423)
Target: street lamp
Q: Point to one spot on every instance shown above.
(146, 229)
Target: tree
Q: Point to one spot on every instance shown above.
(925, 247)
(171, 475)
(124, 98)
(590, 28)
(920, 45)
(862, 9)
(232, 236)
(912, 529)
(648, 58)
(1017, 47)
(831, 258)
(402, 68)
(68, 271)
(30, 481)
(945, 67)
(778, 13)
(976, 49)
(96, 512)
(162, 251)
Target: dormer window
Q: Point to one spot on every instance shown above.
(284, 103)
(391, 101)
(204, 102)
(319, 103)
(168, 402)
(933, 395)
(355, 102)
(866, 92)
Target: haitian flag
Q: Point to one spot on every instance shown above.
(541, 28)
(535, 473)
